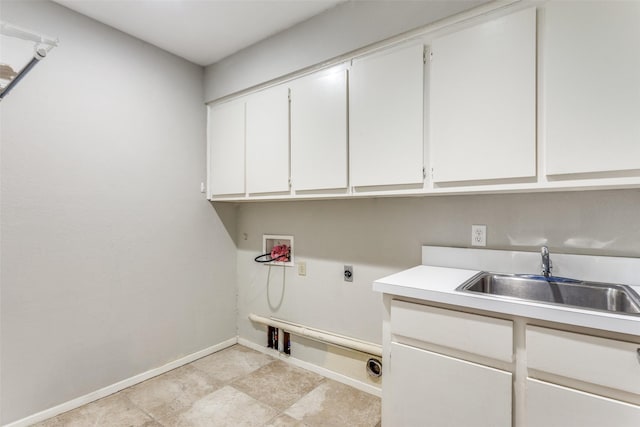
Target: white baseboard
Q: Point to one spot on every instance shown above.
(367, 388)
(121, 385)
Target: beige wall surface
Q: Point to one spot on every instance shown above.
(113, 262)
(383, 236)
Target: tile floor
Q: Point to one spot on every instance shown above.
(233, 387)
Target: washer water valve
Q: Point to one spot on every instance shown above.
(276, 250)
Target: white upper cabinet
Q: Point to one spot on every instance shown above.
(483, 101)
(268, 141)
(519, 98)
(226, 149)
(591, 81)
(319, 131)
(386, 118)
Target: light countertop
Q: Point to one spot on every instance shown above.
(438, 284)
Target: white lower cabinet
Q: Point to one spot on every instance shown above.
(550, 405)
(449, 367)
(607, 371)
(431, 389)
(439, 368)
(480, 335)
(605, 362)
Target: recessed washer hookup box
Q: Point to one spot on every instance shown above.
(280, 247)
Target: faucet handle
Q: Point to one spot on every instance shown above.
(547, 266)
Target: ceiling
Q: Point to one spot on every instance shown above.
(201, 31)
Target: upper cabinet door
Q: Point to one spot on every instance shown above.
(319, 131)
(226, 149)
(386, 118)
(591, 83)
(483, 101)
(268, 141)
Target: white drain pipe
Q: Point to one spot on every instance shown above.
(319, 335)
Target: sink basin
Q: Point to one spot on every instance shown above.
(619, 299)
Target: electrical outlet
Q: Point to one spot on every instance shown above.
(348, 273)
(478, 235)
(302, 268)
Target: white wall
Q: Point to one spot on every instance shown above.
(337, 31)
(113, 262)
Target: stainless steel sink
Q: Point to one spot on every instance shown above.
(557, 290)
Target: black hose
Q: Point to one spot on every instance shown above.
(257, 259)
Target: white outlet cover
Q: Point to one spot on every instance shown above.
(302, 268)
(478, 235)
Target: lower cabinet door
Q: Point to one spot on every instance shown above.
(430, 389)
(550, 405)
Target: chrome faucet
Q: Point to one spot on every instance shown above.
(546, 262)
